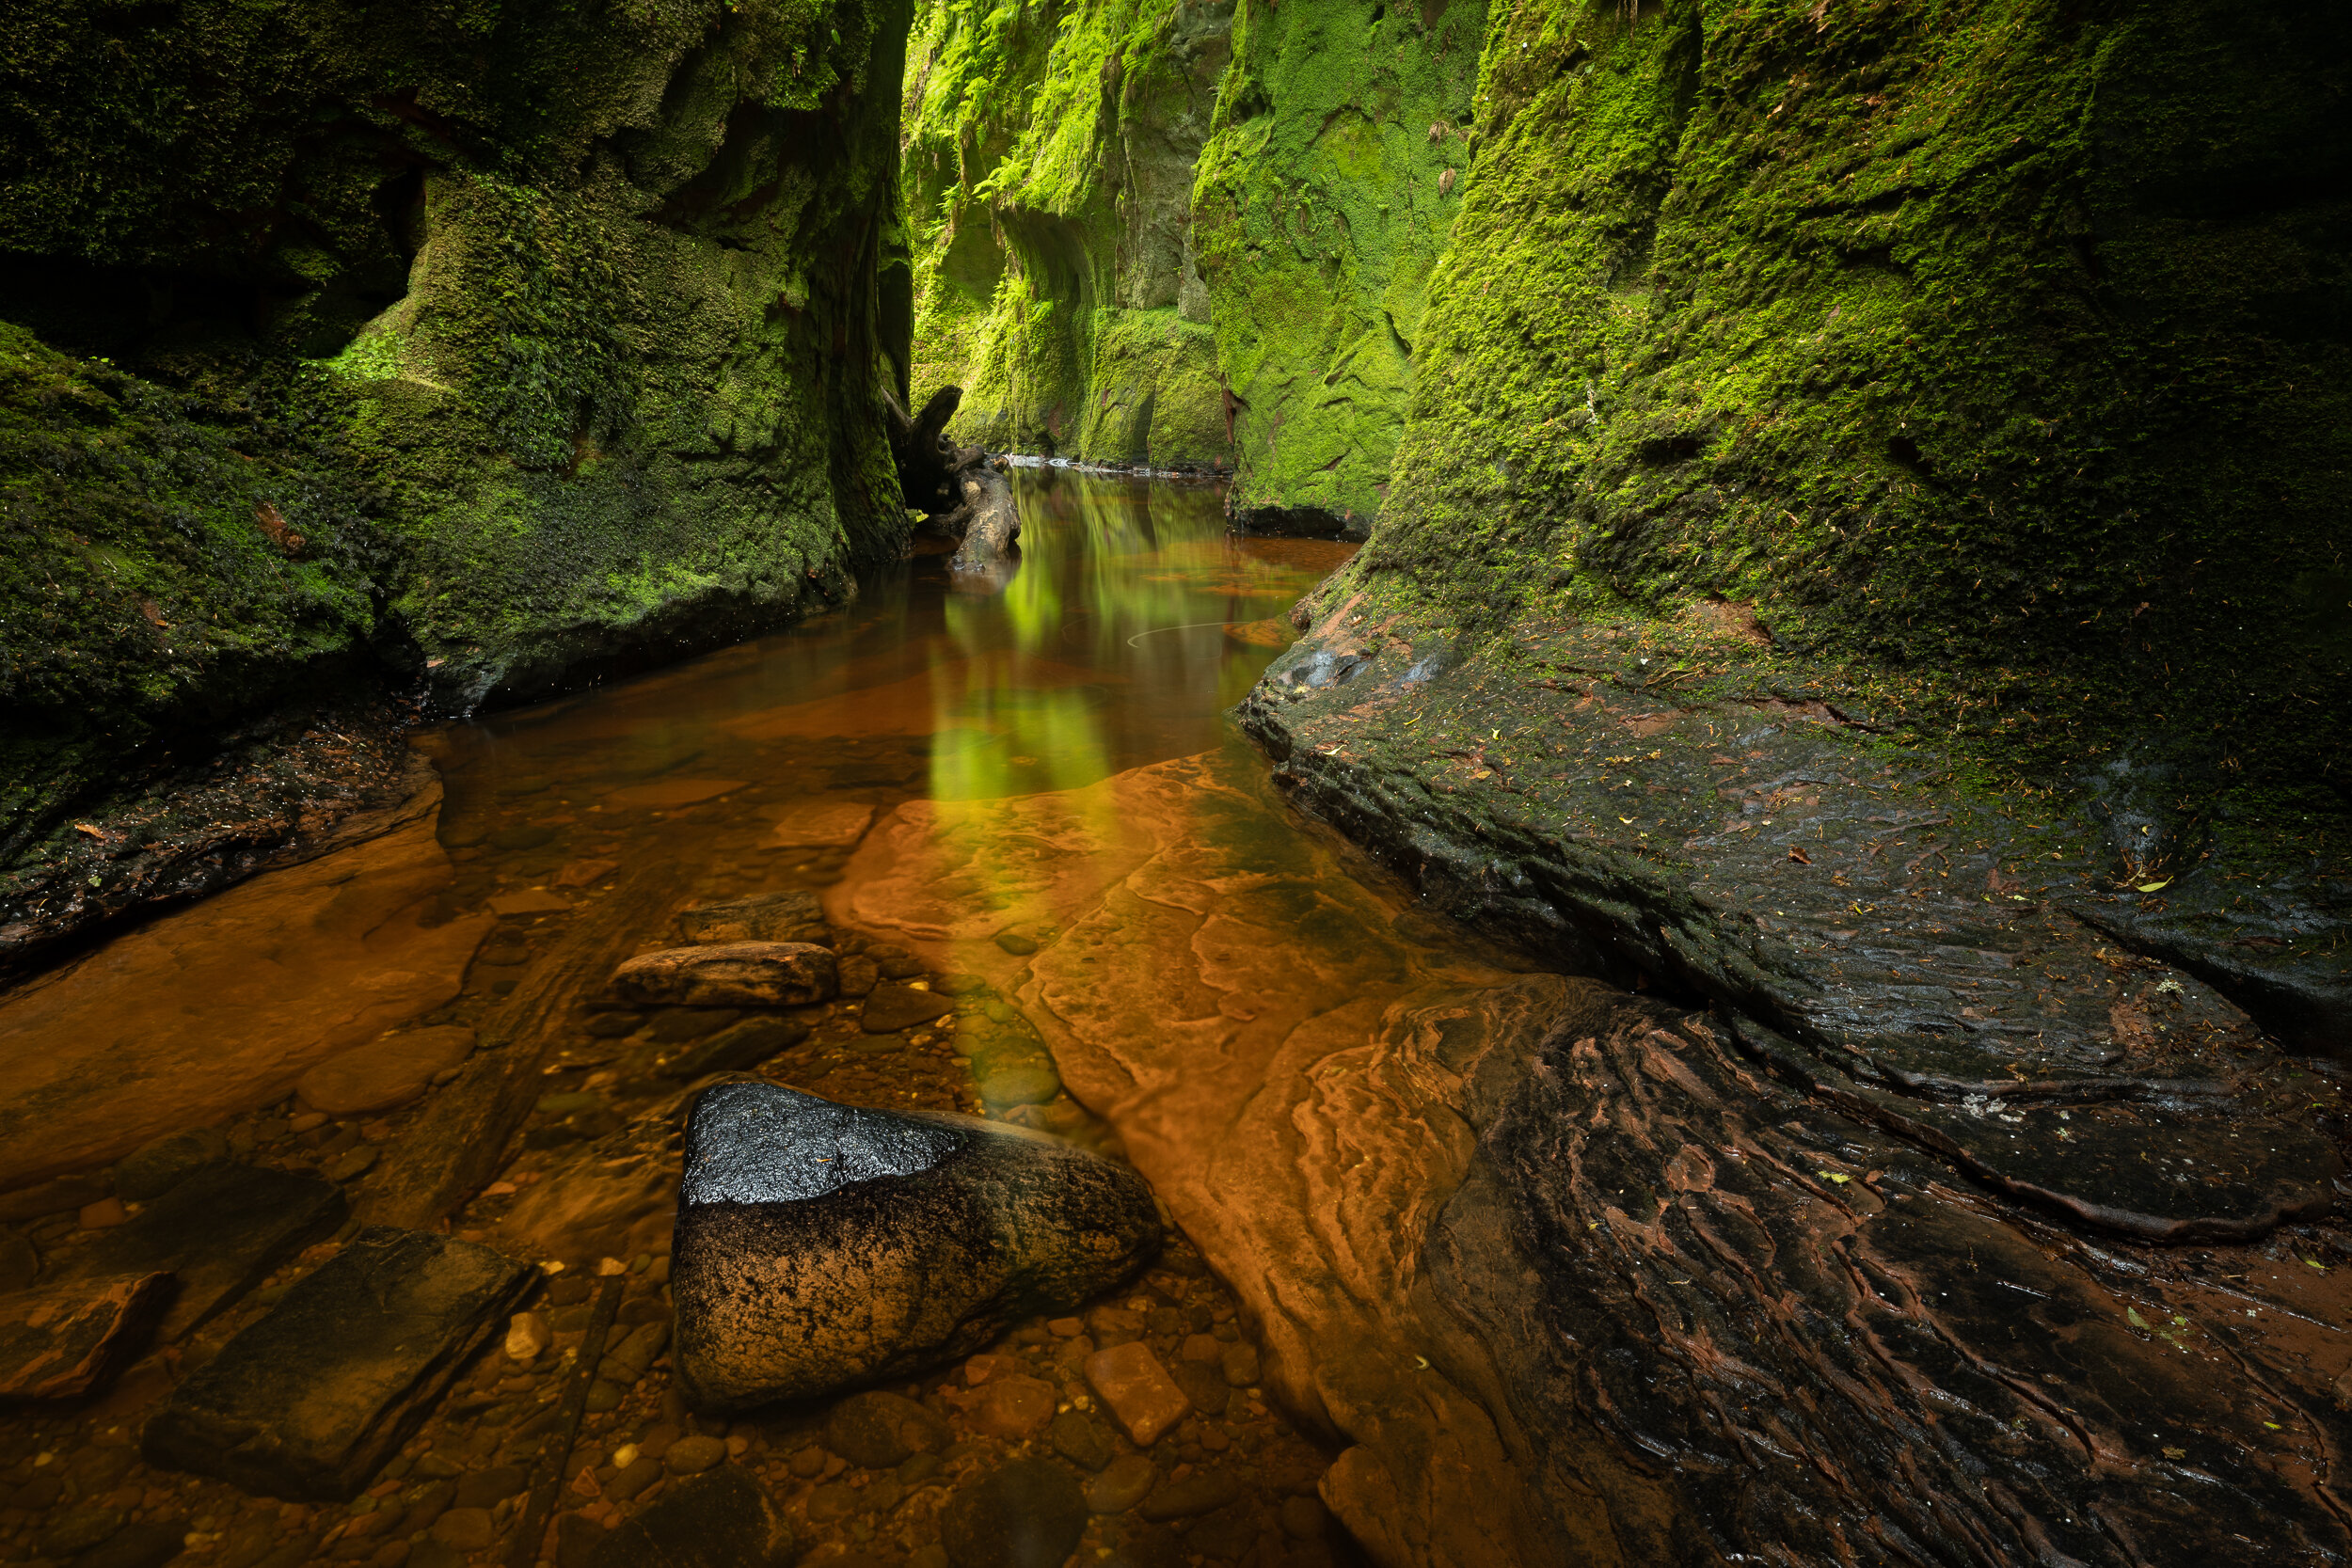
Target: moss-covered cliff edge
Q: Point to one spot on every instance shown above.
(1050, 153)
(468, 352)
(1984, 365)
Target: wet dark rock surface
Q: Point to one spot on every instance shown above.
(821, 1245)
(1959, 1230)
(219, 1233)
(1938, 962)
(284, 789)
(310, 1402)
(1816, 1342)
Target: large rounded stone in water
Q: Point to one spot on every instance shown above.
(821, 1245)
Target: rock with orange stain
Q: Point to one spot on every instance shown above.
(65, 1341)
(730, 974)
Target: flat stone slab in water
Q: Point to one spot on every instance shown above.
(721, 1518)
(384, 1074)
(65, 1341)
(822, 825)
(761, 917)
(311, 1401)
(890, 1008)
(730, 974)
(222, 1230)
(821, 1246)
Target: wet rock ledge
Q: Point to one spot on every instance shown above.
(1922, 1209)
(1953, 965)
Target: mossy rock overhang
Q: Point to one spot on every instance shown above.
(465, 356)
(1989, 365)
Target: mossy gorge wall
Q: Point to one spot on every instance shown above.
(1994, 346)
(1991, 350)
(476, 344)
(1196, 236)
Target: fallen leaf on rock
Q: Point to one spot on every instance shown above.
(90, 829)
(2154, 887)
(1799, 856)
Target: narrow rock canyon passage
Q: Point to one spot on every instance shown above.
(1231, 783)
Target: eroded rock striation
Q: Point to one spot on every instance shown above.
(1579, 1275)
(821, 1245)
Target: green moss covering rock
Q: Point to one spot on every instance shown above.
(1980, 371)
(1323, 201)
(475, 347)
(2000, 347)
(1050, 163)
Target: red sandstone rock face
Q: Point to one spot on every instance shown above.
(1305, 1157)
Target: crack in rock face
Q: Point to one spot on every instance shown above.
(754, 1142)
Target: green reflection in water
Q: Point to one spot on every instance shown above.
(1115, 622)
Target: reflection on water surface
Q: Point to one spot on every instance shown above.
(972, 778)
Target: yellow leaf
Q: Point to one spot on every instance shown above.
(2151, 887)
(2316, 1264)
(1625, 819)
(1832, 1175)
(2131, 1315)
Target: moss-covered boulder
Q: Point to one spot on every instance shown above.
(1050, 163)
(468, 347)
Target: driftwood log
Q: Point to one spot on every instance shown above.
(963, 493)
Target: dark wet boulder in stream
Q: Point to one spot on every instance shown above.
(821, 1246)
